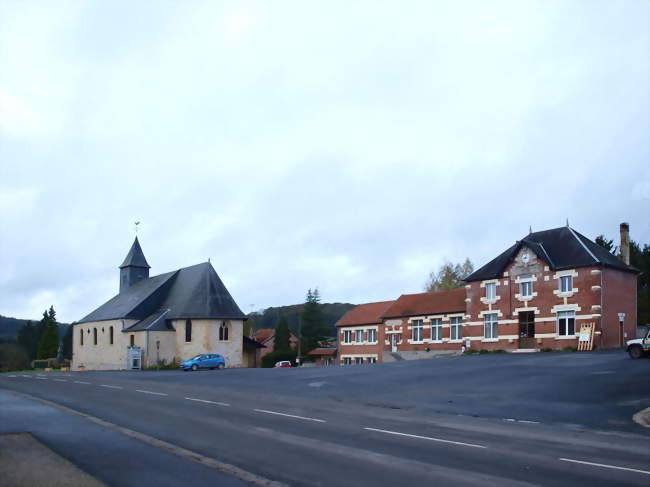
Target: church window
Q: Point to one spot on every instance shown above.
(223, 331)
(81, 338)
(95, 336)
(132, 340)
(188, 330)
(110, 335)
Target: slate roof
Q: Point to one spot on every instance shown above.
(561, 248)
(154, 322)
(364, 314)
(437, 302)
(191, 292)
(135, 257)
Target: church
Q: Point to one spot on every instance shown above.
(162, 319)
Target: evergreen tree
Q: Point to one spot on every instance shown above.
(282, 342)
(605, 243)
(313, 328)
(449, 276)
(27, 339)
(67, 342)
(48, 345)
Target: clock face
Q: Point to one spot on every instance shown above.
(525, 258)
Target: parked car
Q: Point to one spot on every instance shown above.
(204, 361)
(282, 363)
(639, 347)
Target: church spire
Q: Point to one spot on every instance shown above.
(134, 268)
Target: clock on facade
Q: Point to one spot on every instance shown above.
(525, 258)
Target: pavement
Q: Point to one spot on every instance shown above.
(534, 419)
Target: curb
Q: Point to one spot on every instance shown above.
(642, 417)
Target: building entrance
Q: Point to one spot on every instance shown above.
(527, 329)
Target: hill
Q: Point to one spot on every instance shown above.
(269, 318)
(9, 328)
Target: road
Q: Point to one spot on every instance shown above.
(538, 419)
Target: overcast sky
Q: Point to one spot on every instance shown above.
(352, 146)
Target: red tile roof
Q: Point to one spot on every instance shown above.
(364, 314)
(263, 334)
(323, 351)
(427, 303)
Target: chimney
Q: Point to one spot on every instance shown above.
(625, 243)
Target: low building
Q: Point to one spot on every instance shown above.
(161, 319)
(266, 336)
(361, 334)
(324, 356)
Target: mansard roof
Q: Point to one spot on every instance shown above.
(135, 257)
(561, 248)
(189, 293)
(430, 303)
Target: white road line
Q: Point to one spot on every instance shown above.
(290, 415)
(80, 382)
(28, 376)
(529, 422)
(151, 392)
(12, 376)
(208, 402)
(42, 378)
(606, 466)
(111, 387)
(58, 380)
(426, 438)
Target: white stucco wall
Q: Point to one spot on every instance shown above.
(205, 339)
(167, 350)
(102, 356)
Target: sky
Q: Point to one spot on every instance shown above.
(351, 146)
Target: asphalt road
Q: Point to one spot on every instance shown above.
(537, 419)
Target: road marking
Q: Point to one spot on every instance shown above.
(605, 466)
(426, 438)
(151, 392)
(58, 380)
(208, 402)
(11, 376)
(42, 378)
(81, 382)
(529, 422)
(290, 415)
(28, 376)
(112, 387)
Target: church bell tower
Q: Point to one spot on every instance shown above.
(134, 268)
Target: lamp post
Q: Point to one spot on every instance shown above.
(299, 339)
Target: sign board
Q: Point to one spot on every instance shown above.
(621, 317)
(584, 337)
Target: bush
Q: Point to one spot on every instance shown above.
(163, 365)
(470, 352)
(13, 357)
(547, 350)
(482, 352)
(570, 349)
(270, 359)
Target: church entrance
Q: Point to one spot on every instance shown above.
(526, 329)
(134, 358)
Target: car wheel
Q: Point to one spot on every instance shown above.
(220, 366)
(195, 367)
(635, 352)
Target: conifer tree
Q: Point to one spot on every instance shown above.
(282, 342)
(313, 328)
(48, 344)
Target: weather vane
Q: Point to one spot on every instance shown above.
(136, 227)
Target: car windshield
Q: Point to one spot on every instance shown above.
(197, 357)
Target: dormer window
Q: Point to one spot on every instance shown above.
(566, 284)
(491, 290)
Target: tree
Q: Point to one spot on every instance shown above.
(27, 339)
(282, 338)
(313, 329)
(67, 342)
(13, 357)
(449, 276)
(606, 244)
(48, 345)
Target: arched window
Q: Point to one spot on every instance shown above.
(95, 336)
(110, 335)
(81, 337)
(223, 332)
(188, 330)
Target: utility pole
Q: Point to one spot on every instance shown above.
(299, 338)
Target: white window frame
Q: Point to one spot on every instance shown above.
(491, 326)
(436, 329)
(372, 336)
(491, 291)
(358, 336)
(566, 279)
(347, 337)
(456, 328)
(417, 328)
(526, 284)
(371, 360)
(565, 316)
(358, 360)
(347, 361)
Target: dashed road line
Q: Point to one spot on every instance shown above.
(42, 378)
(111, 387)
(512, 420)
(290, 415)
(80, 382)
(151, 392)
(28, 376)
(207, 402)
(605, 466)
(58, 380)
(12, 376)
(440, 440)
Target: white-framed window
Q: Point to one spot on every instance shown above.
(491, 326)
(371, 360)
(358, 360)
(372, 336)
(491, 290)
(417, 330)
(358, 336)
(566, 284)
(436, 329)
(347, 361)
(566, 323)
(347, 336)
(456, 326)
(526, 287)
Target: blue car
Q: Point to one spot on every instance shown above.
(204, 361)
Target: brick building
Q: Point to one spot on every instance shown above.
(534, 295)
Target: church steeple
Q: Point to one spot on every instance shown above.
(134, 268)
